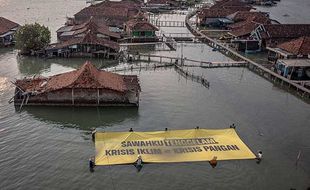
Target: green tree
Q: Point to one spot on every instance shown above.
(32, 37)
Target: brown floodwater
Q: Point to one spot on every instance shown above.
(48, 148)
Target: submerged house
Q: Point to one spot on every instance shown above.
(271, 35)
(241, 30)
(86, 86)
(297, 48)
(217, 15)
(214, 17)
(246, 15)
(294, 69)
(79, 30)
(139, 29)
(112, 13)
(7, 31)
(88, 45)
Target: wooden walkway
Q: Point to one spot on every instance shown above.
(179, 64)
(193, 77)
(138, 67)
(170, 42)
(179, 69)
(261, 70)
(188, 62)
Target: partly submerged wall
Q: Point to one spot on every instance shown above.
(79, 97)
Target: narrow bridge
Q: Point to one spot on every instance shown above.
(187, 62)
(179, 69)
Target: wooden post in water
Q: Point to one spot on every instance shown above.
(98, 97)
(72, 95)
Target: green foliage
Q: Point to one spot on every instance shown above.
(32, 37)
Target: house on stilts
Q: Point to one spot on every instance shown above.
(79, 30)
(86, 86)
(139, 29)
(88, 45)
(112, 13)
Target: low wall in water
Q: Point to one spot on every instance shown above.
(80, 97)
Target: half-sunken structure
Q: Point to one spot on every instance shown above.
(139, 29)
(112, 13)
(7, 31)
(79, 30)
(86, 45)
(86, 86)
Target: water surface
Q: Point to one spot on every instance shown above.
(48, 148)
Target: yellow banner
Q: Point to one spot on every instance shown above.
(169, 146)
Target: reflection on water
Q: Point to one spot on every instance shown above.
(29, 66)
(4, 84)
(82, 117)
(40, 147)
(143, 48)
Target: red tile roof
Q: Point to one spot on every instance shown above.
(244, 30)
(253, 20)
(114, 13)
(223, 8)
(287, 30)
(88, 76)
(142, 26)
(220, 12)
(89, 25)
(245, 15)
(6, 25)
(229, 3)
(89, 38)
(300, 46)
(140, 23)
(217, 13)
